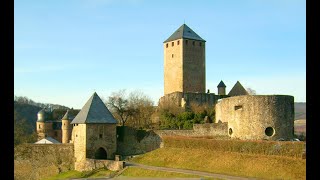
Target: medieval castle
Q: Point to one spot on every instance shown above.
(93, 130)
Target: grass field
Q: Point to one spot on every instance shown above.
(281, 148)
(77, 174)
(137, 172)
(229, 163)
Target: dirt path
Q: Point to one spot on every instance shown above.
(199, 173)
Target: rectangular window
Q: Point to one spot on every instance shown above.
(178, 42)
(238, 108)
(39, 126)
(100, 136)
(186, 41)
(167, 45)
(172, 43)
(172, 55)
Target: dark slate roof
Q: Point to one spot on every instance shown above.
(238, 90)
(66, 116)
(184, 32)
(94, 111)
(221, 84)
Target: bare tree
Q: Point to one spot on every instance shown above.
(251, 91)
(119, 105)
(142, 106)
(135, 109)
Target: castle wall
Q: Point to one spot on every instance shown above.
(91, 164)
(257, 116)
(173, 76)
(198, 98)
(79, 140)
(131, 142)
(207, 129)
(101, 135)
(194, 70)
(38, 161)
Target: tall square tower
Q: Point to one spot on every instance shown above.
(184, 62)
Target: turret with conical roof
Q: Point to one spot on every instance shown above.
(184, 62)
(66, 127)
(221, 88)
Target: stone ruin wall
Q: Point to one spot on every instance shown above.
(267, 117)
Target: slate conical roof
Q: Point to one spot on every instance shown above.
(184, 32)
(94, 111)
(221, 84)
(66, 116)
(238, 90)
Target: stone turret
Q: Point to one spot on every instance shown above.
(66, 127)
(221, 88)
(41, 128)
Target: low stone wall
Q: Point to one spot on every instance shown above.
(134, 141)
(91, 164)
(208, 129)
(211, 129)
(38, 161)
(174, 132)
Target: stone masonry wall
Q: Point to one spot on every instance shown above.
(199, 98)
(107, 141)
(173, 74)
(137, 141)
(267, 117)
(91, 164)
(37, 161)
(194, 66)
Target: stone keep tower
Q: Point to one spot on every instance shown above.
(184, 62)
(66, 128)
(93, 133)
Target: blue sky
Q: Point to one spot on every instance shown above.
(64, 50)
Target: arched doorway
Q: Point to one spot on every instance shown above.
(100, 154)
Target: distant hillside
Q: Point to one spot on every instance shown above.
(300, 110)
(27, 112)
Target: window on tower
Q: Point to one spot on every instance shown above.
(167, 45)
(193, 43)
(172, 55)
(172, 43)
(186, 41)
(178, 42)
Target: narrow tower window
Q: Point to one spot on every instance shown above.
(172, 55)
(167, 45)
(172, 43)
(178, 42)
(186, 41)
